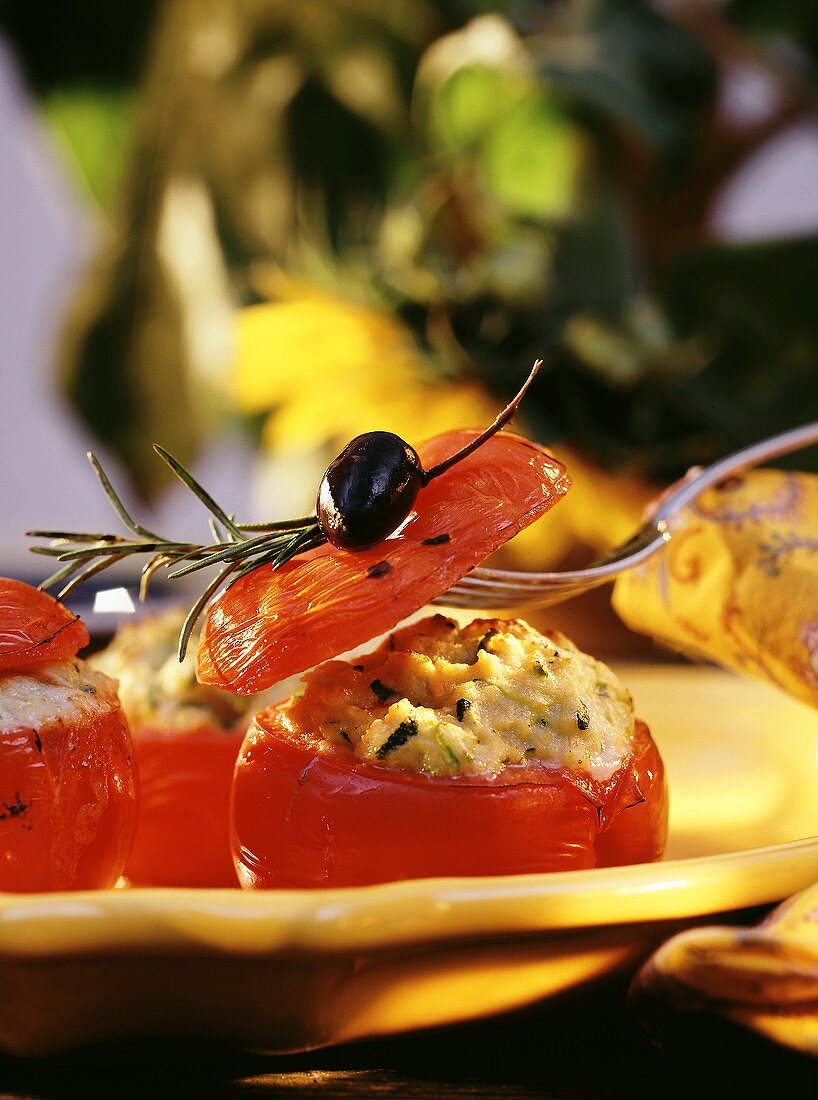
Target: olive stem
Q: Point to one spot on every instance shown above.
(500, 422)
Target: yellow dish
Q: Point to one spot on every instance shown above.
(289, 970)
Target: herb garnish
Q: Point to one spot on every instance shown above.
(379, 569)
(484, 641)
(405, 731)
(382, 691)
(238, 548)
(446, 749)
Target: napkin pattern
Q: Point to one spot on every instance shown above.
(738, 581)
(764, 978)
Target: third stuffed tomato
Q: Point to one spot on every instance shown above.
(67, 784)
(489, 749)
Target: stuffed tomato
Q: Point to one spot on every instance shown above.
(186, 739)
(484, 750)
(67, 788)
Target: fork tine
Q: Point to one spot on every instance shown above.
(488, 597)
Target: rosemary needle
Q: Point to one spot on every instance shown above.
(238, 547)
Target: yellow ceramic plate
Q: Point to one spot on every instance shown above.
(288, 970)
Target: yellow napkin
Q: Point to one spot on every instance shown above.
(738, 581)
(764, 978)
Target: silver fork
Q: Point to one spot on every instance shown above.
(485, 588)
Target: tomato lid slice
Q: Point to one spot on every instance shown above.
(34, 627)
(273, 624)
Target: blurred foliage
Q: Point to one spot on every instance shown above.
(81, 43)
(83, 61)
(92, 125)
(496, 181)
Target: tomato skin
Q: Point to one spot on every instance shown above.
(68, 804)
(305, 818)
(273, 624)
(182, 833)
(34, 627)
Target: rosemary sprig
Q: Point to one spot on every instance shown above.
(238, 547)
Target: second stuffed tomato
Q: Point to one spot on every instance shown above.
(186, 738)
(484, 750)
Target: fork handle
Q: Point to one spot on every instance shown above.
(784, 443)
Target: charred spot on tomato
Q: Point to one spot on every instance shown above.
(379, 569)
(38, 742)
(14, 809)
(405, 732)
(437, 540)
(368, 490)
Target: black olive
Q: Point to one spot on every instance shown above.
(369, 490)
(371, 487)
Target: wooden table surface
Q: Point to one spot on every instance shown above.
(585, 1045)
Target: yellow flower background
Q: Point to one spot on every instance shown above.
(324, 371)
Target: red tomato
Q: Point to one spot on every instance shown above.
(182, 833)
(67, 790)
(270, 625)
(35, 627)
(67, 804)
(304, 817)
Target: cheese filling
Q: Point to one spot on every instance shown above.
(54, 692)
(443, 700)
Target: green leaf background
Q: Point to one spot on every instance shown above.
(512, 180)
